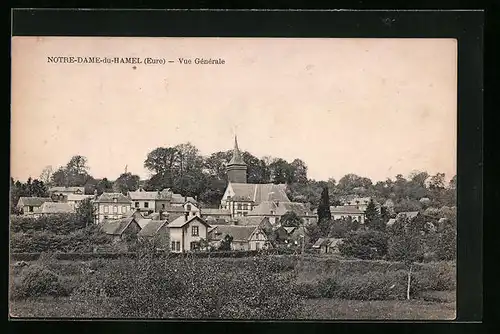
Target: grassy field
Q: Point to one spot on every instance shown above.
(313, 309)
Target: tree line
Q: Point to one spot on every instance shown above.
(186, 171)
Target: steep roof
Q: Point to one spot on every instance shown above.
(239, 233)
(67, 189)
(259, 192)
(330, 242)
(143, 222)
(215, 212)
(347, 209)
(33, 201)
(250, 221)
(109, 198)
(78, 197)
(56, 207)
(144, 195)
(280, 208)
(116, 227)
(181, 221)
(237, 158)
(151, 228)
(289, 230)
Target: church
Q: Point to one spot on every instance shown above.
(241, 198)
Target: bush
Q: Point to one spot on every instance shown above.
(189, 287)
(369, 245)
(373, 286)
(39, 281)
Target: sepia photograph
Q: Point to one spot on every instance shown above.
(233, 178)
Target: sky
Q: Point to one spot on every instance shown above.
(373, 107)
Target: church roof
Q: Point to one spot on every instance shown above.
(258, 193)
(237, 159)
(266, 207)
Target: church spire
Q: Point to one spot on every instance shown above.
(236, 168)
(237, 158)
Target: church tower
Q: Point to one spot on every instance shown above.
(236, 168)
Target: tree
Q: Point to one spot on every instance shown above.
(313, 233)
(85, 213)
(373, 218)
(366, 245)
(349, 182)
(324, 212)
(103, 185)
(405, 244)
(225, 244)
(299, 171)
(281, 171)
(290, 219)
(126, 182)
(46, 175)
(342, 227)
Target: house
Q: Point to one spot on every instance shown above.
(187, 207)
(66, 190)
(241, 197)
(111, 206)
(186, 232)
(327, 245)
(274, 210)
(136, 214)
(244, 237)
(120, 229)
(51, 208)
(155, 230)
(361, 203)
(215, 214)
(156, 201)
(347, 211)
(29, 205)
(253, 221)
(77, 199)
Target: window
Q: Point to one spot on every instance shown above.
(163, 206)
(188, 207)
(193, 245)
(136, 204)
(245, 213)
(115, 200)
(194, 231)
(178, 246)
(30, 209)
(239, 206)
(246, 206)
(257, 245)
(106, 209)
(115, 209)
(124, 209)
(173, 245)
(146, 204)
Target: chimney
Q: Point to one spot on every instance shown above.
(186, 215)
(161, 214)
(185, 199)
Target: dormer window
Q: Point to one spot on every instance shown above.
(115, 199)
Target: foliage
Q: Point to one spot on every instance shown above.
(126, 182)
(341, 227)
(75, 173)
(290, 219)
(193, 288)
(324, 206)
(32, 188)
(37, 281)
(225, 244)
(362, 244)
(373, 218)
